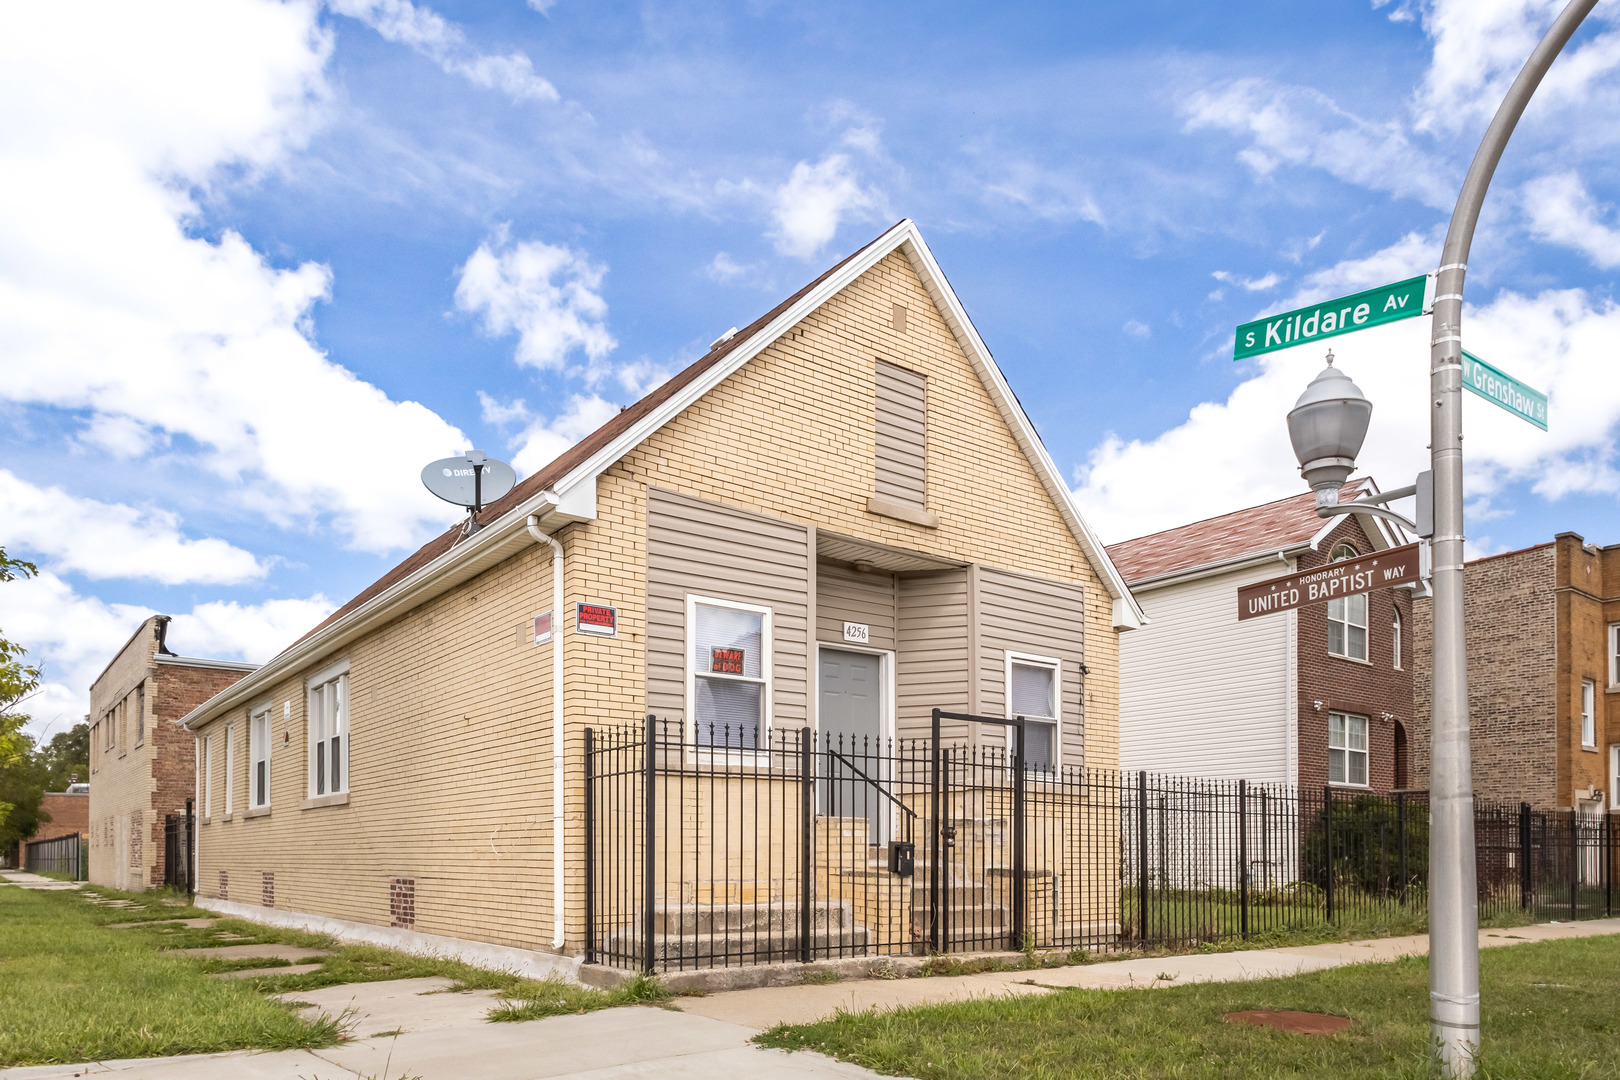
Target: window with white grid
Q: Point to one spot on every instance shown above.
(1347, 749)
(329, 732)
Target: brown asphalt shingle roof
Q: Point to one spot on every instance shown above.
(1258, 529)
(581, 451)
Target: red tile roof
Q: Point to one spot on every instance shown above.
(581, 451)
(1284, 523)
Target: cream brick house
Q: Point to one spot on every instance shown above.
(846, 489)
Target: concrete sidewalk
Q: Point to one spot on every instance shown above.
(35, 881)
(444, 1036)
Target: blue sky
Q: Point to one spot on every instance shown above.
(259, 261)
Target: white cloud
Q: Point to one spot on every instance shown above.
(544, 440)
(1479, 46)
(250, 632)
(808, 208)
(1235, 453)
(1562, 211)
(428, 33)
(76, 636)
(500, 414)
(1055, 195)
(1259, 284)
(1302, 127)
(724, 269)
(1413, 254)
(545, 293)
(642, 376)
(112, 304)
(1137, 329)
(109, 540)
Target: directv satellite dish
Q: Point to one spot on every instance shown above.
(471, 480)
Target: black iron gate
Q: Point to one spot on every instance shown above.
(179, 834)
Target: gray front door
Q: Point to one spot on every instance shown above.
(851, 738)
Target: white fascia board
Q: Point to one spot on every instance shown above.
(203, 662)
(1127, 614)
(467, 559)
(1381, 533)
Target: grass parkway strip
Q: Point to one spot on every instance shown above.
(1550, 1013)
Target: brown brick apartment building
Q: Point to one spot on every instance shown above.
(1543, 632)
(67, 812)
(143, 764)
(1310, 697)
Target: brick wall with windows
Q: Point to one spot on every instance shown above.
(1510, 623)
(1374, 689)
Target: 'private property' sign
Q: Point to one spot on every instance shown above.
(1380, 570)
(1374, 307)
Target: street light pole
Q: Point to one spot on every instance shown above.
(1453, 888)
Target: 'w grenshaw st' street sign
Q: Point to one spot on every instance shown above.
(1380, 570)
(1387, 303)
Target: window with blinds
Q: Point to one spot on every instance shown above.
(902, 449)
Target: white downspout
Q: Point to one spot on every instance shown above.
(557, 624)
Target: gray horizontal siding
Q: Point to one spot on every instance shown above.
(703, 548)
(1032, 615)
(843, 595)
(902, 434)
(932, 663)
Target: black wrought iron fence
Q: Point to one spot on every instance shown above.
(66, 855)
(729, 846)
(178, 846)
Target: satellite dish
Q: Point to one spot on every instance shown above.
(471, 480)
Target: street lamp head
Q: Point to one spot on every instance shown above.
(1327, 426)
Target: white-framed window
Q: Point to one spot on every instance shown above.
(259, 759)
(728, 673)
(1589, 714)
(208, 777)
(1614, 776)
(1347, 749)
(230, 767)
(1614, 655)
(1395, 638)
(1347, 617)
(329, 731)
(1034, 691)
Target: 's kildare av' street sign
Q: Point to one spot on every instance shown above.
(1385, 304)
(1504, 391)
(1380, 570)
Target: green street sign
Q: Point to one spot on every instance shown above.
(1374, 307)
(1504, 391)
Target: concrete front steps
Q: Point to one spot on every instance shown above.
(706, 935)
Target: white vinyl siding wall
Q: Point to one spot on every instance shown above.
(902, 434)
(1202, 694)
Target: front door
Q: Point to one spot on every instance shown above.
(853, 751)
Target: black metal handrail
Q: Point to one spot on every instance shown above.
(911, 815)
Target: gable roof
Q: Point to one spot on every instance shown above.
(449, 559)
(1284, 525)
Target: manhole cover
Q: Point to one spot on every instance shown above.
(1301, 1023)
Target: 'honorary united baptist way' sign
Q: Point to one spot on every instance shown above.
(1387, 303)
(1380, 570)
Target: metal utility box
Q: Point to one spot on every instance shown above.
(902, 857)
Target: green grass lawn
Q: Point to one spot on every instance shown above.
(1551, 1010)
(73, 990)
